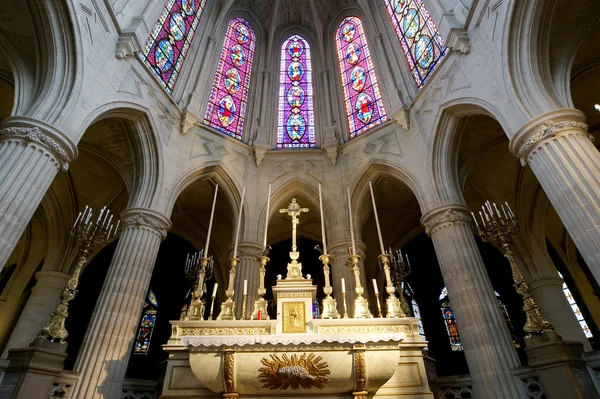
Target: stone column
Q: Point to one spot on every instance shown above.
(31, 153)
(246, 270)
(339, 269)
(40, 305)
(102, 360)
(560, 152)
(486, 340)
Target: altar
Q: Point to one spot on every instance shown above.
(295, 355)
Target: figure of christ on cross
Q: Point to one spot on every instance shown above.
(294, 268)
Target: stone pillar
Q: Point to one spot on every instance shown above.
(40, 305)
(339, 269)
(560, 152)
(102, 360)
(488, 347)
(31, 153)
(246, 270)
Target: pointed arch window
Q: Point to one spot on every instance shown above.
(226, 109)
(146, 328)
(295, 117)
(576, 310)
(169, 41)
(420, 39)
(364, 106)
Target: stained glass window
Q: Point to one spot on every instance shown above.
(420, 39)
(296, 120)
(144, 335)
(511, 330)
(576, 310)
(364, 106)
(226, 109)
(450, 321)
(416, 312)
(170, 39)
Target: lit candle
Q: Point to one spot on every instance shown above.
(343, 286)
(351, 223)
(475, 219)
(212, 214)
(267, 218)
(215, 290)
(322, 221)
(381, 247)
(239, 222)
(245, 287)
(375, 287)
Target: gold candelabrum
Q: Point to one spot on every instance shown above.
(90, 235)
(400, 271)
(329, 303)
(393, 304)
(361, 305)
(199, 270)
(498, 229)
(228, 307)
(260, 305)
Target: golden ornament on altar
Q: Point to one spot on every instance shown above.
(283, 372)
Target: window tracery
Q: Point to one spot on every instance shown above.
(226, 109)
(295, 117)
(419, 37)
(364, 106)
(169, 40)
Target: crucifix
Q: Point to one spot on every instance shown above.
(294, 268)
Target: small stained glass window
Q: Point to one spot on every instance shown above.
(576, 310)
(420, 39)
(226, 109)
(146, 327)
(364, 106)
(169, 41)
(295, 117)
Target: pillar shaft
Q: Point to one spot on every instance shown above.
(30, 157)
(105, 351)
(486, 340)
(559, 151)
(40, 305)
(247, 270)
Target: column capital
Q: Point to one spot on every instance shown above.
(147, 218)
(39, 132)
(445, 214)
(248, 249)
(544, 127)
(339, 249)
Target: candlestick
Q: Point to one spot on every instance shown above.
(245, 287)
(361, 305)
(345, 305)
(244, 299)
(200, 270)
(212, 305)
(329, 303)
(267, 218)
(228, 307)
(260, 305)
(379, 314)
(239, 222)
(381, 247)
(394, 306)
(214, 294)
(351, 222)
(343, 286)
(322, 221)
(212, 214)
(375, 286)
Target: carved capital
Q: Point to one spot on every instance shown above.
(147, 218)
(450, 216)
(35, 134)
(248, 250)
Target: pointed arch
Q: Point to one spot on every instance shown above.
(169, 41)
(295, 116)
(364, 105)
(226, 110)
(419, 37)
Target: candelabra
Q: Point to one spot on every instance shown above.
(260, 305)
(498, 229)
(228, 307)
(394, 305)
(329, 303)
(90, 236)
(361, 306)
(400, 271)
(198, 269)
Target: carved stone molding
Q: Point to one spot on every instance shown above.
(547, 130)
(360, 372)
(35, 134)
(248, 250)
(451, 216)
(148, 218)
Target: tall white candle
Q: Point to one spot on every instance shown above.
(116, 228)
(77, 220)
(267, 218)
(215, 290)
(381, 247)
(322, 220)
(343, 286)
(100, 215)
(89, 215)
(375, 287)
(245, 287)
(351, 222)
(239, 222)
(212, 214)
(475, 219)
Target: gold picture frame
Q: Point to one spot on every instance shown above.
(294, 317)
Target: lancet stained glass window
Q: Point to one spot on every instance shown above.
(364, 106)
(295, 120)
(226, 109)
(420, 39)
(450, 321)
(169, 41)
(576, 310)
(144, 335)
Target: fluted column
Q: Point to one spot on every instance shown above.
(339, 269)
(559, 150)
(31, 153)
(246, 270)
(488, 347)
(40, 305)
(103, 357)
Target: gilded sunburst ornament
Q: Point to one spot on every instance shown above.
(283, 372)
